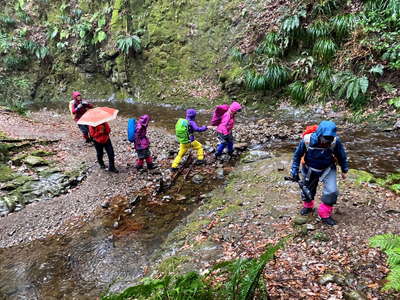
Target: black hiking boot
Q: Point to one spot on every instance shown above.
(305, 211)
(139, 168)
(174, 169)
(113, 170)
(199, 162)
(151, 166)
(102, 166)
(329, 221)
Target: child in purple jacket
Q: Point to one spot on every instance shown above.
(193, 143)
(142, 143)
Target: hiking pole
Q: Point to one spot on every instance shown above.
(306, 192)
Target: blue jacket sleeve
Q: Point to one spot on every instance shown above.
(298, 154)
(340, 154)
(197, 128)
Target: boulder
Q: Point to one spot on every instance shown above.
(255, 155)
(34, 161)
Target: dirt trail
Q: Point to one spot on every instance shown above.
(56, 216)
(258, 207)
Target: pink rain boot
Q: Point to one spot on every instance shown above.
(325, 212)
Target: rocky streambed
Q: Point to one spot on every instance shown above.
(118, 227)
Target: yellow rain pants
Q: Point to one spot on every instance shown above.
(183, 148)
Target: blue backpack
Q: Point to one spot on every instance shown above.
(131, 129)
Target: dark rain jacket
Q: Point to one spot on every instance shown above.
(320, 158)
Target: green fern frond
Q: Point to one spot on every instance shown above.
(319, 29)
(393, 256)
(236, 55)
(270, 46)
(325, 7)
(385, 241)
(342, 25)
(324, 50)
(125, 44)
(297, 92)
(393, 280)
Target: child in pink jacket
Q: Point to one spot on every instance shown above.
(142, 144)
(224, 129)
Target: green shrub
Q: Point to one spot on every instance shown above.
(275, 76)
(352, 88)
(324, 50)
(298, 92)
(390, 244)
(270, 46)
(319, 29)
(342, 25)
(325, 7)
(236, 55)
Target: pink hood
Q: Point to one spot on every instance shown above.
(75, 95)
(235, 107)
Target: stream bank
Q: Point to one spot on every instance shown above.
(75, 239)
(257, 207)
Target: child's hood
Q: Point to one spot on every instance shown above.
(144, 120)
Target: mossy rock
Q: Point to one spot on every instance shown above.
(48, 171)
(41, 153)
(18, 159)
(17, 182)
(35, 161)
(6, 173)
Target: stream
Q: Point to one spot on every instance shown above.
(85, 263)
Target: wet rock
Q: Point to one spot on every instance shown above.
(16, 183)
(397, 125)
(255, 155)
(327, 278)
(167, 198)
(354, 295)
(46, 172)
(241, 146)
(198, 179)
(34, 161)
(220, 173)
(105, 204)
(300, 220)
(10, 202)
(128, 211)
(180, 198)
(115, 225)
(310, 227)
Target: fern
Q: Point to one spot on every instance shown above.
(236, 55)
(352, 88)
(324, 50)
(391, 7)
(325, 7)
(342, 25)
(244, 274)
(303, 67)
(298, 92)
(385, 241)
(377, 70)
(125, 44)
(319, 29)
(269, 46)
(291, 27)
(390, 244)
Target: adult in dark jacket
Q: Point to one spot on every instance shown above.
(79, 107)
(101, 139)
(321, 151)
(142, 143)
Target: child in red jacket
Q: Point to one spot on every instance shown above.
(101, 139)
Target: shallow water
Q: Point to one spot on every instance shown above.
(86, 262)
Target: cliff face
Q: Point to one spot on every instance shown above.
(182, 47)
(200, 52)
